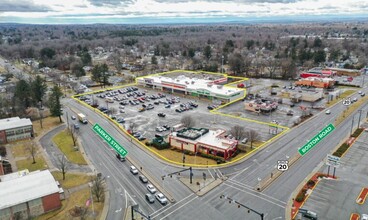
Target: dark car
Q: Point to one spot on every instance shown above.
(161, 114)
(120, 157)
(150, 198)
(178, 110)
(143, 179)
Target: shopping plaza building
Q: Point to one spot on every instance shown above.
(212, 89)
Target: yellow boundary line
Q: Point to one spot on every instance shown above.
(214, 111)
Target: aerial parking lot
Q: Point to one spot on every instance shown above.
(146, 112)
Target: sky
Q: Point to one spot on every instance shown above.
(171, 11)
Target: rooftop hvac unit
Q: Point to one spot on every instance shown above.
(192, 82)
(186, 82)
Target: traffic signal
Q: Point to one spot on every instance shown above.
(163, 178)
(248, 210)
(238, 206)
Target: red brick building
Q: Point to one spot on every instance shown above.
(28, 194)
(12, 129)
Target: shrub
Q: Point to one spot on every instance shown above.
(148, 143)
(300, 197)
(161, 145)
(357, 132)
(341, 150)
(311, 183)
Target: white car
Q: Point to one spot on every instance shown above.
(151, 188)
(360, 92)
(161, 198)
(328, 112)
(364, 217)
(133, 170)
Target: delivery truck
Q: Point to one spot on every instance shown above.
(82, 118)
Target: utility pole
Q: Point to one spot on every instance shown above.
(352, 123)
(360, 115)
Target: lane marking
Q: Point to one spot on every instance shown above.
(255, 195)
(159, 211)
(179, 208)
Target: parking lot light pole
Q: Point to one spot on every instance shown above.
(360, 115)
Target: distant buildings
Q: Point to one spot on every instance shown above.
(25, 195)
(12, 129)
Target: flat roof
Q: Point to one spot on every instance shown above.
(195, 84)
(211, 138)
(25, 188)
(14, 122)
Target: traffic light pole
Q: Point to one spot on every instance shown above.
(244, 206)
(178, 172)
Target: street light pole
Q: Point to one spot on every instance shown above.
(360, 115)
(352, 123)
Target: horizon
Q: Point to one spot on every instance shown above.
(69, 12)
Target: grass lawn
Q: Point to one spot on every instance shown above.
(47, 124)
(19, 149)
(345, 94)
(65, 143)
(71, 180)
(351, 108)
(27, 164)
(178, 157)
(76, 199)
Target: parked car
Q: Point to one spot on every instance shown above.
(73, 117)
(151, 188)
(133, 170)
(364, 216)
(167, 106)
(141, 138)
(161, 198)
(150, 198)
(161, 114)
(143, 179)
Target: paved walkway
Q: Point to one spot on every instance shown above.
(53, 152)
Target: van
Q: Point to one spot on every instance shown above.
(244, 141)
(311, 215)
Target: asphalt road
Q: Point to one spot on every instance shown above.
(243, 177)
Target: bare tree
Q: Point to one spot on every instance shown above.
(62, 165)
(187, 121)
(252, 136)
(98, 188)
(132, 126)
(272, 65)
(32, 149)
(238, 132)
(73, 134)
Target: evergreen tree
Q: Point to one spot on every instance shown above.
(207, 51)
(23, 94)
(54, 102)
(39, 88)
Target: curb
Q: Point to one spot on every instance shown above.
(105, 209)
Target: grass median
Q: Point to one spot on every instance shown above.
(345, 94)
(65, 143)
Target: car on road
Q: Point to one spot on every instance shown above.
(363, 94)
(133, 170)
(354, 100)
(151, 188)
(150, 198)
(161, 115)
(76, 126)
(364, 216)
(120, 157)
(73, 117)
(360, 92)
(161, 198)
(143, 179)
(328, 111)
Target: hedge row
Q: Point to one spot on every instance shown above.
(357, 132)
(341, 150)
(301, 195)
